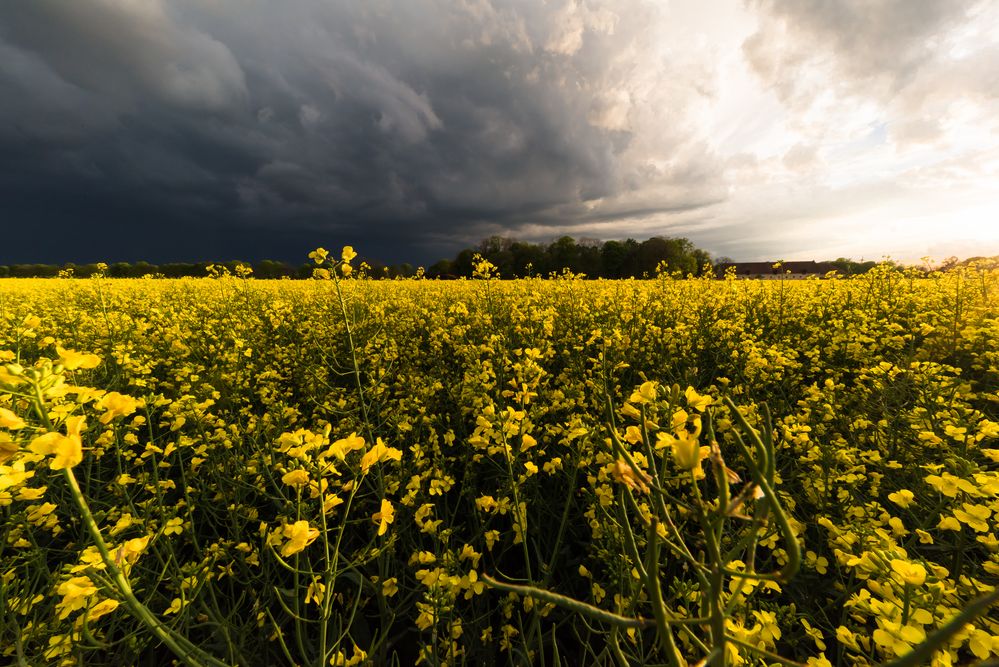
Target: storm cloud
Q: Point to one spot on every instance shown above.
(210, 129)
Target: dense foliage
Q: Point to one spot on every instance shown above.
(591, 258)
(512, 259)
(343, 471)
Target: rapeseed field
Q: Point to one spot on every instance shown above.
(344, 471)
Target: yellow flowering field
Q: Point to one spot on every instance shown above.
(343, 471)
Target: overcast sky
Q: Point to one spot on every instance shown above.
(770, 129)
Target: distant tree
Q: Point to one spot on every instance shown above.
(527, 259)
(404, 270)
(120, 270)
(702, 260)
(463, 265)
(591, 261)
(34, 271)
(270, 269)
(948, 264)
(850, 267)
(650, 253)
(564, 254)
(614, 256)
(440, 269)
(498, 250)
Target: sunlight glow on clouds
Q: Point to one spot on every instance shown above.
(794, 129)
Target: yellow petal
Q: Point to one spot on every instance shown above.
(45, 444)
(10, 420)
(71, 359)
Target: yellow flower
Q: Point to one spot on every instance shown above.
(633, 435)
(174, 526)
(949, 523)
(75, 594)
(71, 359)
(679, 421)
(629, 410)
(815, 634)
(491, 538)
(897, 637)
(697, 401)
(297, 478)
(315, 593)
(623, 472)
(949, 485)
(102, 608)
(645, 394)
(299, 535)
(339, 659)
(902, 498)
(123, 523)
(975, 516)
(319, 255)
(687, 454)
(913, 574)
(130, 550)
(344, 446)
(68, 449)
(380, 452)
(29, 494)
(982, 644)
(819, 563)
(847, 638)
(8, 447)
(116, 405)
(486, 503)
(347, 254)
(10, 420)
(384, 517)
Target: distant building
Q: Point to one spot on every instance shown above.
(772, 271)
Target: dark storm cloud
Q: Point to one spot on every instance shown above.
(210, 129)
(204, 129)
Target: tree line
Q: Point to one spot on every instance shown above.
(263, 269)
(512, 259)
(591, 257)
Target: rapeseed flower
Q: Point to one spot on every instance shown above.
(384, 517)
(68, 449)
(72, 360)
(298, 535)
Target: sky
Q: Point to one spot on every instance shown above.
(188, 130)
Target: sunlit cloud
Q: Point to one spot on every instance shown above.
(793, 129)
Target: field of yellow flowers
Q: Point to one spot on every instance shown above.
(346, 471)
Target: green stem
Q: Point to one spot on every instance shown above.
(180, 646)
(571, 604)
(921, 654)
